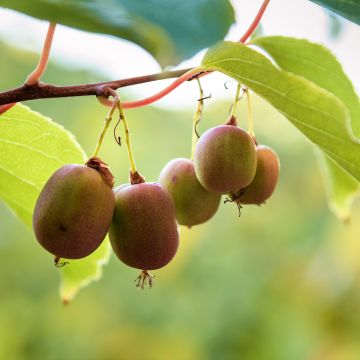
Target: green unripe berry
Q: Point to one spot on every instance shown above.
(144, 232)
(265, 180)
(193, 203)
(225, 159)
(73, 212)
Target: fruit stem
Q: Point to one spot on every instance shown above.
(127, 138)
(236, 101)
(35, 76)
(250, 114)
(197, 118)
(106, 125)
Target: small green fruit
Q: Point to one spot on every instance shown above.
(225, 159)
(144, 233)
(265, 180)
(74, 211)
(193, 203)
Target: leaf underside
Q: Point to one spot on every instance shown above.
(349, 9)
(170, 30)
(316, 63)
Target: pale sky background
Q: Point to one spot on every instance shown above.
(115, 59)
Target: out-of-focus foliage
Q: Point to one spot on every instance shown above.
(170, 30)
(349, 9)
(281, 282)
(80, 273)
(342, 189)
(335, 25)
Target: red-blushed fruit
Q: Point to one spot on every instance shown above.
(225, 159)
(193, 203)
(74, 210)
(265, 180)
(144, 232)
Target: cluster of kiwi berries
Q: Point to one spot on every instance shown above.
(78, 206)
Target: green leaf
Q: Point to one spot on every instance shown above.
(170, 30)
(342, 189)
(349, 9)
(321, 116)
(32, 147)
(319, 65)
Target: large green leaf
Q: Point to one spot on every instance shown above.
(349, 9)
(170, 30)
(317, 64)
(32, 147)
(320, 115)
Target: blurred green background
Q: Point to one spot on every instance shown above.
(281, 282)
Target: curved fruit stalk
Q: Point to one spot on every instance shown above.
(74, 210)
(193, 203)
(265, 180)
(144, 233)
(225, 159)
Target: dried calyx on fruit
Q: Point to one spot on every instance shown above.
(193, 203)
(225, 158)
(74, 210)
(265, 180)
(144, 232)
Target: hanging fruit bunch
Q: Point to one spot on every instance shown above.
(141, 217)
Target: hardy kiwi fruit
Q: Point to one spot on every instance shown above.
(144, 232)
(193, 203)
(74, 210)
(264, 182)
(225, 159)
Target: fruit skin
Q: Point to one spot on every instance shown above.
(73, 212)
(193, 203)
(144, 232)
(266, 177)
(225, 159)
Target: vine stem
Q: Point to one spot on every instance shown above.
(107, 123)
(196, 119)
(127, 138)
(6, 107)
(250, 114)
(236, 101)
(175, 84)
(40, 69)
(45, 91)
(41, 91)
(151, 99)
(255, 22)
